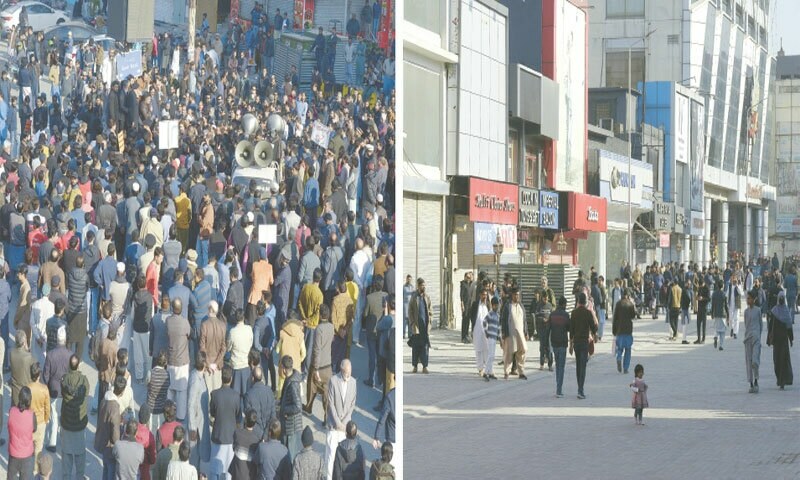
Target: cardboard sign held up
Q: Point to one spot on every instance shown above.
(321, 134)
(267, 234)
(168, 134)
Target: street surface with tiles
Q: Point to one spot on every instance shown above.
(702, 422)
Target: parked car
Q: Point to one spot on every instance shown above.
(81, 32)
(107, 43)
(40, 16)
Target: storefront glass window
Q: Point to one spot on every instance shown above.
(423, 126)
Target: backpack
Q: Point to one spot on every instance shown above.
(385, 471)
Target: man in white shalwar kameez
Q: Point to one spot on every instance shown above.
(42, 310)
(514, 336)
(736, 297)
(478, 335)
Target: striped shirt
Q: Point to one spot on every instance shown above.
(157, 390)
(492, 321)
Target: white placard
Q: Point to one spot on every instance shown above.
(129, 64)
(320, 134)
(267, 234)
(168, 134)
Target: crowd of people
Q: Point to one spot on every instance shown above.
(739, 294)
(147, 265)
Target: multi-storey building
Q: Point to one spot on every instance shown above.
(675, 52)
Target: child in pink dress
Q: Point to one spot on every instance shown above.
(639, 388)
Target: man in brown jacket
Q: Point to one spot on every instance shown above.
(108, 423)
(107, 361)
(420, 316)
(582, 330)
(206, 228)
(262, 281)
(51, 269)
(342, 313)
(40, 405)
(212, 343)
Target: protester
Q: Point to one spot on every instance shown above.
(112, 222)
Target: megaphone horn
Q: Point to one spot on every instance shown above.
(244, 153)
(263, 153)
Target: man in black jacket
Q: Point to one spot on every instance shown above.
(559, 329)
(78, 288)
(74, 418)
(40, 116)
(261, 399)
(225, 409)
(467, 299)
(291, 411)
(622, 328)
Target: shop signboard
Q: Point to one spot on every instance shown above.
(548, 210)
(681, 220)
(663, 219)
(698, 224)
(587, 212)
(528, 207)
(486, 236)
(493, 202)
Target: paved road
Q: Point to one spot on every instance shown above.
(364, 416)
(702, 422)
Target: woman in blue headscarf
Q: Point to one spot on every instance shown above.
(781, 337)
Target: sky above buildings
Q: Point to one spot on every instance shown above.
(787, 13)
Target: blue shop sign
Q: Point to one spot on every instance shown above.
(548, 210)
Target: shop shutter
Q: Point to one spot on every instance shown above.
(422, 246)
(529, 276)
(245, 6)
(429, 248)
(326, 11)
(284, 5)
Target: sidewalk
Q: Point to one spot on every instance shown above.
(702, 422)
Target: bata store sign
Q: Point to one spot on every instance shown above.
(493, 202)
(587, 212)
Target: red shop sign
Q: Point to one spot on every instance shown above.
(587, 212)
(493, 202)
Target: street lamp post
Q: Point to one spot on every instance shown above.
(561, 246)
(628, 126)
(783, 250)
(498, 251)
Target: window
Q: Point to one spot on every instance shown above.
(624, 8)
(739, 16)
(424, 126)
(532, 166)
(425, 13)
(751, 26)
(617, 68)
(726, 7)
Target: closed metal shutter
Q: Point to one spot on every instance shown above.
(245, 6)
(284, 5)
(423, 244)
(326, 11)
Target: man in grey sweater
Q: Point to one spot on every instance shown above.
(321, 369)
(752, 340)
(128, 453)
